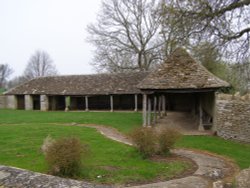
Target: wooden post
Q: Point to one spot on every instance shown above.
(200, 128)
(163, 105)
(159, 106)
(144, 113)
(136, 104)
(67, 103)
(155, 104)
(149, 111)
(53, 103)
(111, 104)
(86, 103)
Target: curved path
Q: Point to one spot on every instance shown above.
(212, 170)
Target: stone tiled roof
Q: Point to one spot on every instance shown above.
(96, 84)
(181, 71)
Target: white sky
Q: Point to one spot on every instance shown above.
(55, 26)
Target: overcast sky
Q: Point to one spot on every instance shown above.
(56, 26)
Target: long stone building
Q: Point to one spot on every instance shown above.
(179, 84)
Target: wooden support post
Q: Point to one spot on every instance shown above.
(159, 106)
(136, 102)
(67, 103)
(86, 103)
(163, 105)
(200, 128)
(149, 111)
(111, 104)
(53, 105)
(144, 113)
(155, 104)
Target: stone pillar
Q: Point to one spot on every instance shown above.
(144, 110)
(28, 102)
(67, 103)
(12, 102)
(86, 103)
(149, 111)
(44, 102)
(136, 102)
(111, 104)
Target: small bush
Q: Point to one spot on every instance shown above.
(145, 141)
(47, 142)
(152, 141)
(64, 157)
(166, 139)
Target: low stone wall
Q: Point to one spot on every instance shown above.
(233, 117)
(3, 101)
(14, 177)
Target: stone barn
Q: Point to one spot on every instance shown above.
(179, 84)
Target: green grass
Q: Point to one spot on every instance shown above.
(123, 121)
(239, 152)
(115, 162)
(22, 133)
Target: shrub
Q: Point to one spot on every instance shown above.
(145, 141)
(166, 139)
(47, 142)
(152, 141)
(64, 157)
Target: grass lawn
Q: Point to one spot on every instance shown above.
(240, 153)
(22, 133)
(123, 121)
(116, 163)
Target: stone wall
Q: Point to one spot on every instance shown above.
(11, 102)
(233, 117)
(3, 101)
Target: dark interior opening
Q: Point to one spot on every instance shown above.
(56, 102)
(36, 102)
(99, 102)
(77, 103)
(20, 102)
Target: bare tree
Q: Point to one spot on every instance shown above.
(5, 72)
(39, 65)
(126, 35)
(16, 81)
(222, 22)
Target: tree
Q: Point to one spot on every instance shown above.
(39, 65)
(223, 22)
(16, 81)
(210, 57)
(5, 72)
(240, 76)
(126, 35)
